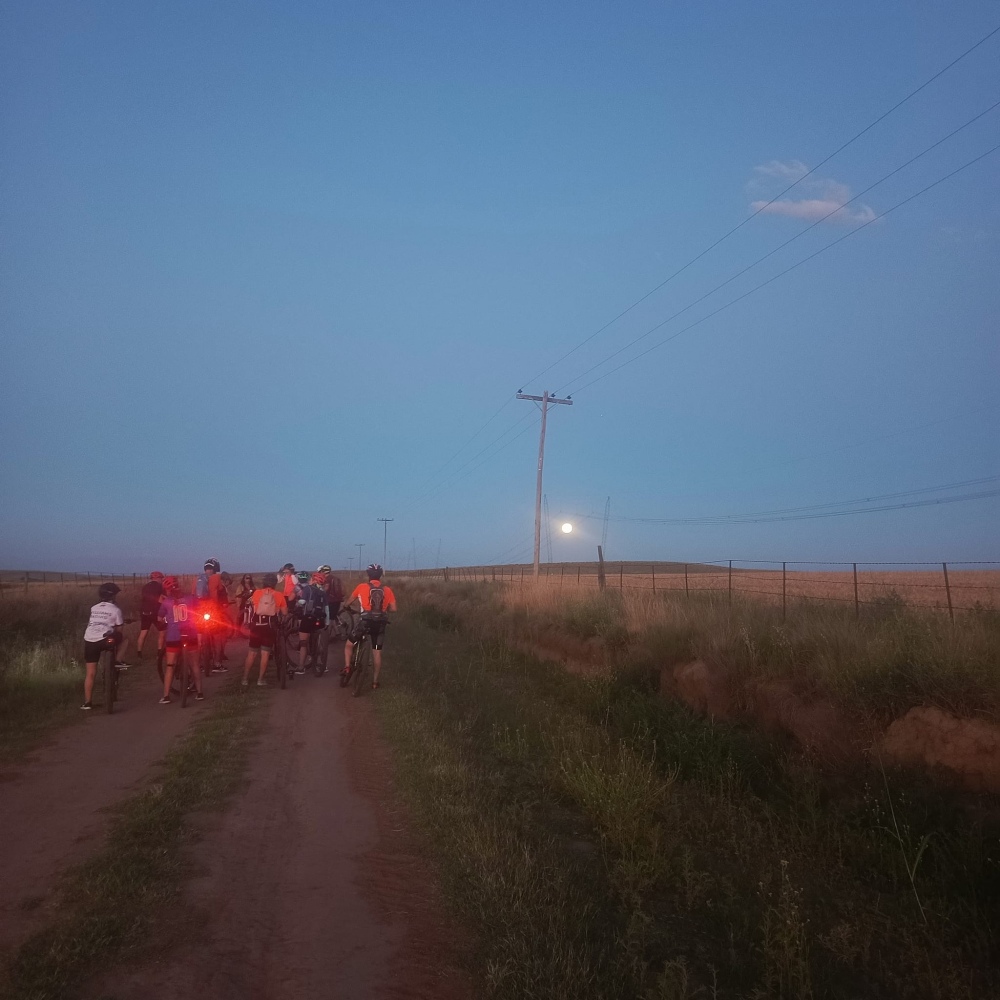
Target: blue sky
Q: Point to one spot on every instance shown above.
(268, 269)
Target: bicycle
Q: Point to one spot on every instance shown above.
(319, 650)
(361, 663)
(112, 672)
(111, 675)
(284, 631)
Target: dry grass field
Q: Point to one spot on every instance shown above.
(971, 589)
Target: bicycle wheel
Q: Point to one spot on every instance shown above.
(319, 646)
(110, 681)
(206, 653)
(182, 662)
(362, 661)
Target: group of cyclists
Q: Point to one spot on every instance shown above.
(201, 621)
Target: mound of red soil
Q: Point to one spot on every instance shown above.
(704, 689)
(815, 725)
(967, 749)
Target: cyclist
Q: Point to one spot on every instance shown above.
(267, 605)
(376, 601)
(207, 589)
(149, 617)
(334, 589)
(179, 614)
(227, 627)
(243, 594)
(315, 606)
(103, 632)
(286, 582)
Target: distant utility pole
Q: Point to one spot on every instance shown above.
(350, 564)
(385, 537)
(359, 546)
(545, 399)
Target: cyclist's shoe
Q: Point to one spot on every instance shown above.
(121, 665)
(374, 685)
(87, 707)
(199, 697)
(220, 668)
(165, 700)
(262, 684)
(245, 682)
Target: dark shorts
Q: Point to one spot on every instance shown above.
(262, 637)
(92, 650)
(309, 625)
(184, 642)
(148, 620)
(372, 626)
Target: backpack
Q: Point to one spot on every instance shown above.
(376, 598)
(201, 587)
(267, 606)
(315, 601)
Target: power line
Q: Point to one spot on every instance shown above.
(780, 274)
(459, 475)
(781, 246)
(825, 509)
(795, 183)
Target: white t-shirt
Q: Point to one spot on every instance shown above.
(103, 618)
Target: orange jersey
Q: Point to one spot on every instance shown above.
(362, 593)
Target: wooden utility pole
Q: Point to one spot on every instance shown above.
(545, 399)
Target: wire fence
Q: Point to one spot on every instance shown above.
(947, 587)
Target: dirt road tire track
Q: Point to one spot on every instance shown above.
(310, 886)
(54, 804)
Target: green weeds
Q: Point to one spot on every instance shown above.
(607, 843)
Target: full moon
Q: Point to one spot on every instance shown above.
(567, 528)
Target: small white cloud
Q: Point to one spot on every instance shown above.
(783, 171)
(827, 198)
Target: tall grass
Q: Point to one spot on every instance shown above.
(41, 658)
(878, 665)
(607, 843)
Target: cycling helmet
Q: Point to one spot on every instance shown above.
(374, 572)
(270, 580)
(213, 564)
(302, 576)
(156, 575)
(288, 568)
(324, 569)
(170, 585)
(107, 591)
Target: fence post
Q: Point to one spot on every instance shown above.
(784, 575)
(494, 573)
(578, 574)
(947, 590)
(601, 580)
(687, 593)
(61, 578)
(562, 573)
(522, 576)
(133, 579)
(857, 603)
(653, 568)
(621, 576)
(88, 576)
(730, 583)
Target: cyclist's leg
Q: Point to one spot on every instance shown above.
(265, 657)
(168, 671)
(248, 664)
(348, 651)
(142, 638)
(378, 634)
(88, 682)
(121, 645)
(303, 650)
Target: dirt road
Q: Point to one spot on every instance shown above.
(54, 805)
(310, 884)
